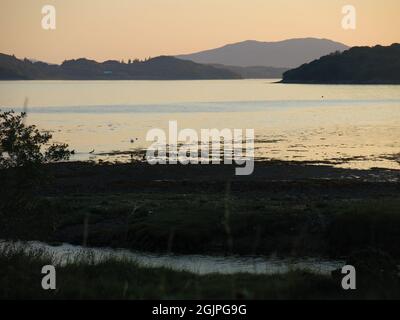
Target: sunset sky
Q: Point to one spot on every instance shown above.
(126, 29)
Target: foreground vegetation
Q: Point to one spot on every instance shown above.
(211, 223)
(207, 211)
(21, 279)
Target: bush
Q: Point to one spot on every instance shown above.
(23, 151)
(22, 145)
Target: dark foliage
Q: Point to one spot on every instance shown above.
(24, 145)
(358, 65)
(160, 68)
(23, 151)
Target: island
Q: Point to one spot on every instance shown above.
(358, 65)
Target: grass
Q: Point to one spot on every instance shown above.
(21, 279)
(364, 231)
(204, 223)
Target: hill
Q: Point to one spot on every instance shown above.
(358, 65)
(160, 68)
(282, 54)
(256, 72)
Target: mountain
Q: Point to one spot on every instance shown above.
(358, 65)
(282, 54)
(160, 68)
(255, 72)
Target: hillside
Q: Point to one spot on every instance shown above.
(358, 65)
(255, 72)
(282, 54)
(160, 68)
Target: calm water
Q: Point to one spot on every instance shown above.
(349, 126)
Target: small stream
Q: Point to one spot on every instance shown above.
(198, 264)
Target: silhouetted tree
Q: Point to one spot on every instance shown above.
(23, 151)
(22, 145)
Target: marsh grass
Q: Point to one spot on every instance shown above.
(120, 279)
(209, 222)
(222, 223)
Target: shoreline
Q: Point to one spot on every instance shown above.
(63, 254)
(286, 209)
(123, 279)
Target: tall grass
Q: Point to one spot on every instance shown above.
(118, 279)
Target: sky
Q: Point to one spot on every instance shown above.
(128, 29)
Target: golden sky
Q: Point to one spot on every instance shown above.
(123, 29)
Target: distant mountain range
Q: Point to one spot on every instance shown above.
(254, 72)
(247, 59)
(282, 54)
(358, 65)
(160, 68)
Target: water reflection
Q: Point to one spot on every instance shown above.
(350, 126)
